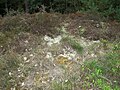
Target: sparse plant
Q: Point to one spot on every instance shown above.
(74, 44)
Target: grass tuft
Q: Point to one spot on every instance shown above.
(8, 65)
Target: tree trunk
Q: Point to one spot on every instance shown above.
(6, 7)
(26, 6)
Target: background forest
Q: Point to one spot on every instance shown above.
(107, 8)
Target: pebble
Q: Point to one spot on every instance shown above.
(31, 55)
(25, 58)
(36, 65)
(26, 41)
(66, 80)
(22, 84)
(10, 73)
(19, 70)
(44, 82)
(26, 50)
(28, 61)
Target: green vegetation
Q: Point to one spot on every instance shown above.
(106, 8)
(101, 74)
(74, 44)
(104, 73)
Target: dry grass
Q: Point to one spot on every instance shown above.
(27, 62)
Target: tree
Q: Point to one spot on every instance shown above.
(26, 6)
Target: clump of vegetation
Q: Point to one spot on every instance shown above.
(74, 44)
(104, 73)
(8, 67)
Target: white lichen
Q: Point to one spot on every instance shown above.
(51, 41)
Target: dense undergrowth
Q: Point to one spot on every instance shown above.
(108, 9)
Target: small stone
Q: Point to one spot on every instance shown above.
(98, 41)
(66, 80)
(22, 84)
(31, 55)
(36, 65)
(25, 58)
(27, 61)
(26, 41)
(54, 65)
(26, 50)
(48, 80)
(19, 76)
(37, 72)
(43, 82)
(10, 73)
(19, 70)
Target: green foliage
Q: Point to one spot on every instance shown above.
(34, 5)
(105, 73)
(65, 6)
(106, 8)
